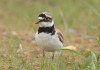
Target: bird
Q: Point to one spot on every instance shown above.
(47, 36)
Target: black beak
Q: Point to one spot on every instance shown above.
(38, 22)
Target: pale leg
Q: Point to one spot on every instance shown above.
(53, 54)
(43, 54)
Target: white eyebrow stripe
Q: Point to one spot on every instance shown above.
(40, 18)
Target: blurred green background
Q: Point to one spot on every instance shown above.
(79, 21)
(79, 14)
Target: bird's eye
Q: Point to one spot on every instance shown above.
(47, 18)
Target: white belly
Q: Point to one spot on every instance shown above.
(48, 42)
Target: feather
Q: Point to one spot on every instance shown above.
(60, 36)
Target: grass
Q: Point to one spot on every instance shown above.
(78, 20)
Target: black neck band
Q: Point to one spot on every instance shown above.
(47, 30)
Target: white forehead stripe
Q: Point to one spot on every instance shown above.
(47, 14)
(40, 18)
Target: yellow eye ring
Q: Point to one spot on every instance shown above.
(46, 18)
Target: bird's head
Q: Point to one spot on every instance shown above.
(45, 20)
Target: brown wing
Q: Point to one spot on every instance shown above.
(60, 36)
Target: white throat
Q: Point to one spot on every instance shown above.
(46, 24)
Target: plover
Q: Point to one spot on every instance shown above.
(47, 37)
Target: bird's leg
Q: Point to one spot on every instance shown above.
(53, 54)
(43, 54)
(43, 60)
